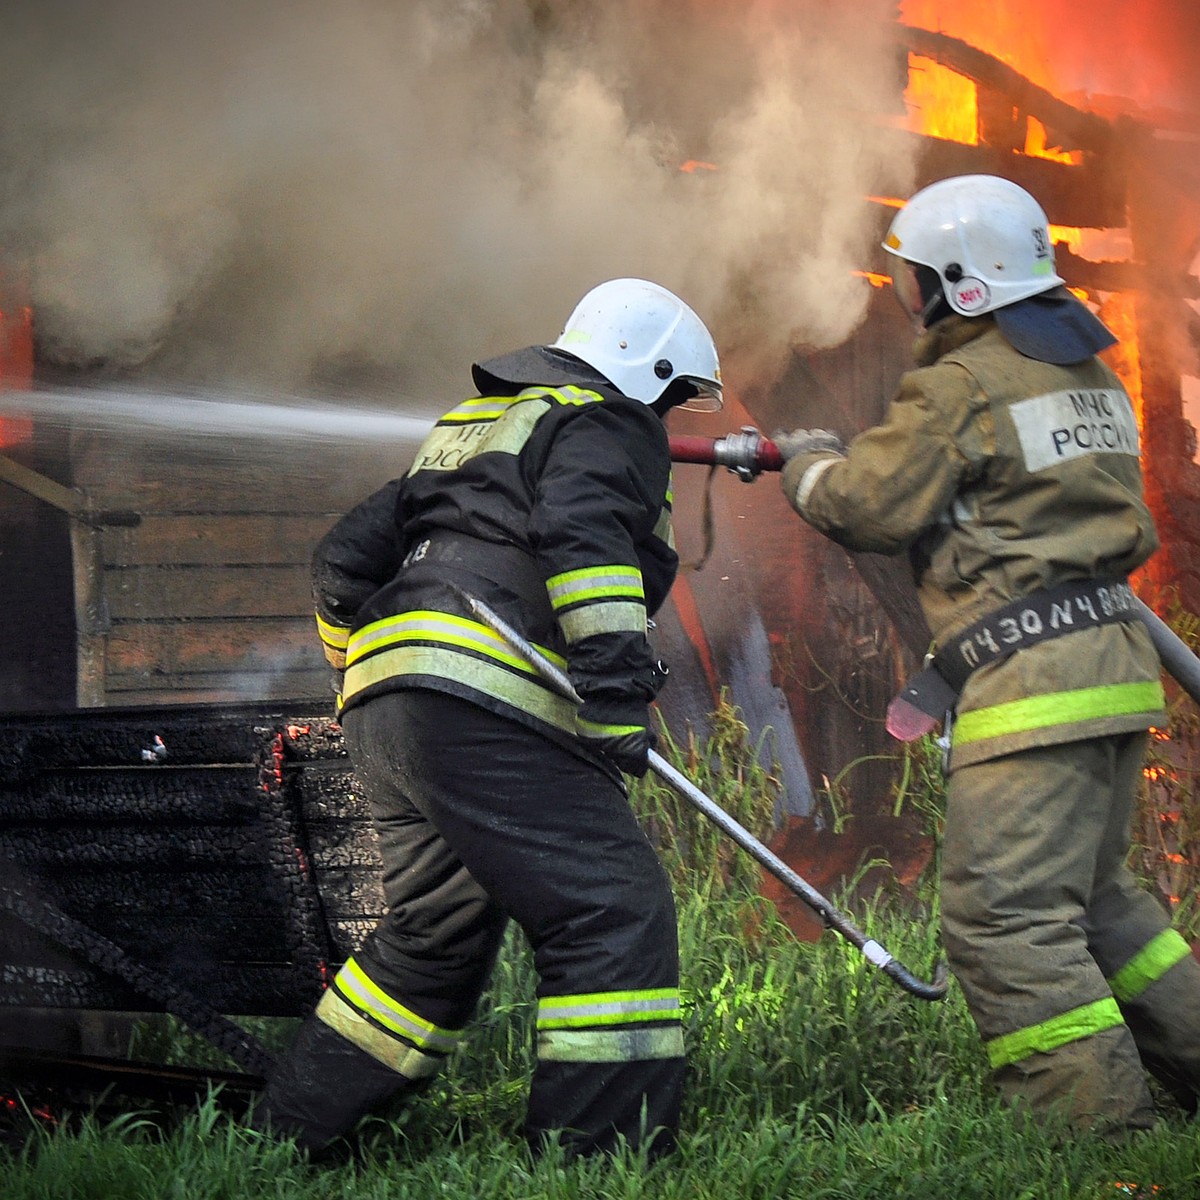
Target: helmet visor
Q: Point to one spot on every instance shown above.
(707, 398)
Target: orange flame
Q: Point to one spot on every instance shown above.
(941, 103)
(1118, 313)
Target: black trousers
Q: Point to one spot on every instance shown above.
(481, 820)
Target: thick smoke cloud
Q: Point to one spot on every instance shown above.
(248, 192)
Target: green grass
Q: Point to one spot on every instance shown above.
(810, 1075)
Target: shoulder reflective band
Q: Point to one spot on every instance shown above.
(570, 394)
(1149, 965)
(492, 425)
(1058, 708)
(1071, 1026)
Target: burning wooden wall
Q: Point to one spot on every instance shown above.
(205, 598)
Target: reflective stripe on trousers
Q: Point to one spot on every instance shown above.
(1034, 887)
(525, 828)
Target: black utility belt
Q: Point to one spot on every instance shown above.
(1038, 617)
(470, 558)
(462, 550)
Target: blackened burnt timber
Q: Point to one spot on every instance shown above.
(225, 849)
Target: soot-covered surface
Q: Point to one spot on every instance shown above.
(224, 847)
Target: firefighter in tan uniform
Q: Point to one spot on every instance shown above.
(1007, 469)
(547, 497)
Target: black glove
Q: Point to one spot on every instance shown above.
(624, 738)
(628, 752)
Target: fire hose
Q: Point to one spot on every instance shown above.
(872, 951)
(747, 454)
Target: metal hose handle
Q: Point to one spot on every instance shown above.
(872, 951)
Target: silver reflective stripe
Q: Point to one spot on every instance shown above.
(402, 1058)
(595, 583)
(621, 616)
(664, 530)
(608, 1008)
(809, 478)
(366, 995)
(610, 1045)
(334, 636)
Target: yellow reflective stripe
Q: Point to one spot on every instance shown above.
(1057, 708)
(1149, 964)
(1071, 1026)
(570, 394)
(473, 429)
(480, 408)
(608, 1008)
(610, 1045)
(382, 1046)
(333, 642)
(369, 998)
(528, 695)
(595, 583)
(610, 616)
(427, 625)
(595, 729)
(334, 636)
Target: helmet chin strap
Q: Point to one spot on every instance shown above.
(930, 307)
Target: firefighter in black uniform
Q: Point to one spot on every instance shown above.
(547, 497)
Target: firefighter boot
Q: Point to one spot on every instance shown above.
(322, 1088)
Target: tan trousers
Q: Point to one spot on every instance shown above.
(1053, 942)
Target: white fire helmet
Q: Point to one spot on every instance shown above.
(642, 338)
(987, 238)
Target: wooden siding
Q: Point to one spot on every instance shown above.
(199, 593)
